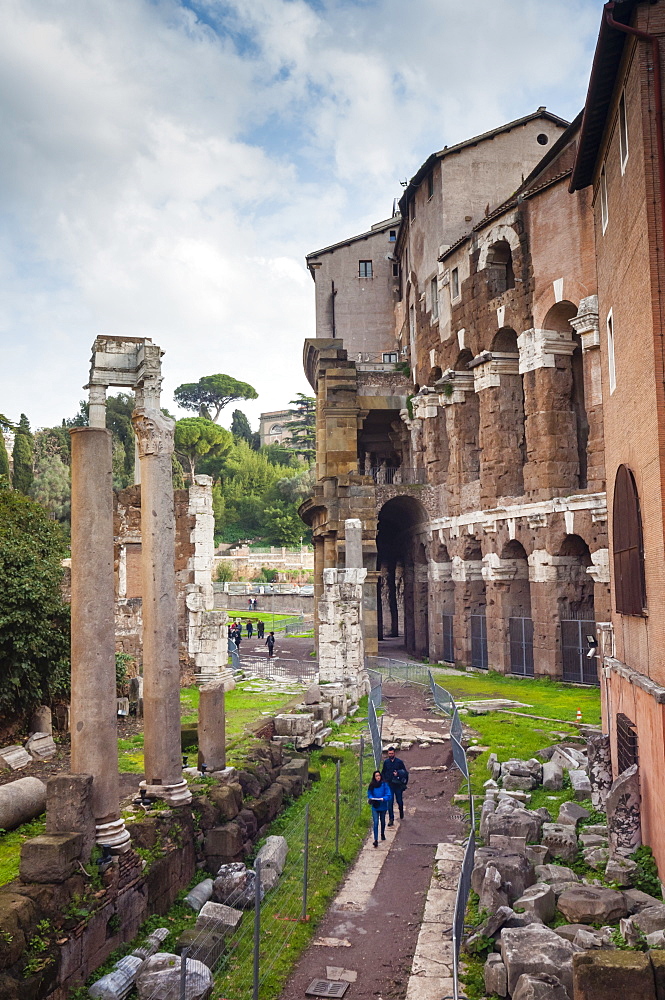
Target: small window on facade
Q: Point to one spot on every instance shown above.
(626, 742)
(603, 199)
(395, 270)
(434, 287)
(623, 132)
(430, 184)
(454, 283)
(390, 357)
(610, 352)
(364, 269)
(392, 236)
(500, 274)
(628, 553)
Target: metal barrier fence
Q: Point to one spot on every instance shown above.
(461, 902)
(323, 835)
(280, 668)
(375, 734)
(376, 688)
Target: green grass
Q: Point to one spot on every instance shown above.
(260, 616)
(10, 848)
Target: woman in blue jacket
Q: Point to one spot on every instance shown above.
(379, 797)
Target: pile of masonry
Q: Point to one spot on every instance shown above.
(524, 883)
(219, 904)
(230, 811)
(38, 747)
(308, 724)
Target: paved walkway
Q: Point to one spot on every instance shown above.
(387, 929)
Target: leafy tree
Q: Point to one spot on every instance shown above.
(52, 487)
(281, 523)
(177, 474)
(279, 454)
(302, 430)
(22, 454)
(240, 428)
(119, 420)
(213, 392)
(196, 436)
(4, 457)
(34, 620)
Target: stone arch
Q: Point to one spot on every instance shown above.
(497, 234)
(575, 606)
(402, 560)
(506, 435)
(463, 429)
(570, 290)
(434, 375)
(558, 319)
(517, 607)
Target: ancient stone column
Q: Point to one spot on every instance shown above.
(161, 667)
(212, 731)
(93, 697)
(600, 768)
(353, 538)
(624, 813)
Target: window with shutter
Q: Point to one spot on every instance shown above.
(630, 592)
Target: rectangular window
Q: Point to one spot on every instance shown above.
(390, 357)
(430, 185)
(610, 351)
(603, 199)
(623, 132)
(392, 237)
(454, 283)
(395, 270)
(364, 269)
(434, 287)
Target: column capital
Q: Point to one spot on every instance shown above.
(154, 432)
(539, 348)
(586, 323)
(489, 366)
(453, 386)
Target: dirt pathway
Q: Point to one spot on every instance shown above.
(380, 906)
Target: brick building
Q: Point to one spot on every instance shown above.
(621, 165)
(459, 409)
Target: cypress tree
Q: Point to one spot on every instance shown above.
(4, 457)
(22, 454)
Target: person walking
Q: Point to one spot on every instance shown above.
(260, 630)
(394, 772)
(250, 629)
(380, 798)
(270, 643)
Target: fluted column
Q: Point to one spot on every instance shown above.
(161, 668)
(93, 699)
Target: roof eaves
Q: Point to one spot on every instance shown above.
(606, 62)
(380, 228)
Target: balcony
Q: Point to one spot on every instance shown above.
(400, 476)
(383, 361)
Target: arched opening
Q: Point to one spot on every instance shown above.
(507, 438)
(499, 268)
(402, 562)
(518, 607)
(576, 610)
(446, 600)
(434, 375)
(558, 318)
(627, 547)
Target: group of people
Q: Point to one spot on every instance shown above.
(252, 604)
(385, 789)
(235, 633)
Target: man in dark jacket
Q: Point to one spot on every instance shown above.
(394, 772)
(270, 643)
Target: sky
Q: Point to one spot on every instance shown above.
(165, 166)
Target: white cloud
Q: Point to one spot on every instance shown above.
(165, 168)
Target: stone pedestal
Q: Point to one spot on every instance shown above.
(93, 699)
(341, 647)
(161, 668)
(600, 769)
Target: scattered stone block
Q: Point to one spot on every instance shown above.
(555, 873)
(207, 948)
(21, 800)
(14, 758)
(224, 841)
(587, 904)
(312, 695)
(488, 808)
(41, 720)
(539, 900)
(235, 886)
(536, 949)
(570, 813)
(537, 854)
(225, 801)
(560, 840)
(217, 917)
(515, 845)
(518, 783)
(152, 944)
(658, 967)
(495, 975)
(650, 919)
(612, 975)
(580, 783)
(623, 813)
(513, 869)
(592, 840)
(569, 931)
(159, 978)
(540, 986)
(637, 900)
(552, 777)
(51, 857)
(273, 853)
(596, 857)
(516, 823)
(493, 891)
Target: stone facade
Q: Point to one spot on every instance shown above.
(475, 458)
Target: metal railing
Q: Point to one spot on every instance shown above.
(461, 903)
(278, 667)
(384, 475)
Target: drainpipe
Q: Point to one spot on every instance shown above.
(655, 54)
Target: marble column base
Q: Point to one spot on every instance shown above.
(175, 795)
(114, 835)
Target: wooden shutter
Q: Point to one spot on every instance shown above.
(628, 553)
